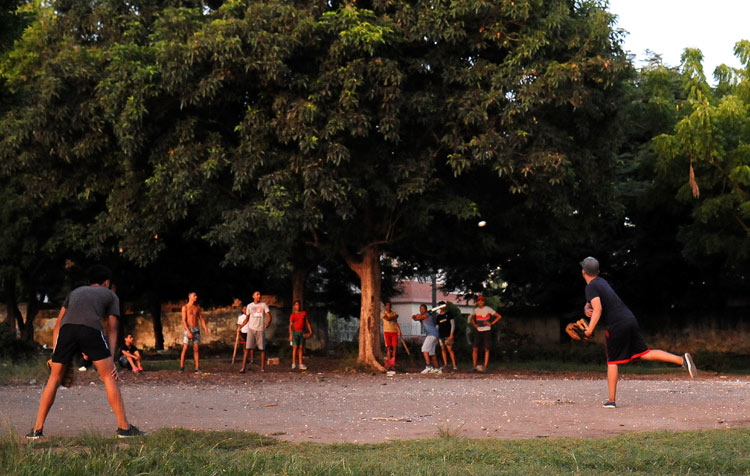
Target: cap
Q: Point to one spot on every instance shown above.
(590, 265)
(480, 298)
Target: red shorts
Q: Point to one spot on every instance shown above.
(391, 339)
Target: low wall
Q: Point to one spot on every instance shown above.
(707, 333)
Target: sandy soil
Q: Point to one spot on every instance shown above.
(336, 406)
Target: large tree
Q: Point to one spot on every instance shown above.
(291, 132)
(707, 157)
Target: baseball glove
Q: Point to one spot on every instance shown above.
(69, 375)
(577, 330)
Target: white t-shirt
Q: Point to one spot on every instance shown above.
(240, 320)
(257, 313)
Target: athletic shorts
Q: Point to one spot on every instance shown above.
(391, 339)
(298, 338)
(255, 340)
(483, 340)
(196, 336)
(443, 341)
(74, 339)
(624, 344)
(429, 344)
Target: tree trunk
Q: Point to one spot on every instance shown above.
(368, 270)
(155, 305)
(15, 318)
(32, 309)
(299, 276)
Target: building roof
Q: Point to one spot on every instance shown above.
(419, 292)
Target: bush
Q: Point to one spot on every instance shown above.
(13, 348)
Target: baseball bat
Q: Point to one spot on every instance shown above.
(437, 308)
(236, 341)
(405, 347)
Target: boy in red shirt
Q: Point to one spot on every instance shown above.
(297, 323)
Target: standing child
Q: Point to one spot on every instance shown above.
(257, 312)
(297, 324)
(481, 319)
(446, 328)
(430, 341)
(192, 314)
(391, 333)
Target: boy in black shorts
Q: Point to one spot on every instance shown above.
(79, 329)
(623, 340)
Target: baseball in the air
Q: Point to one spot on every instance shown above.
(481, 223)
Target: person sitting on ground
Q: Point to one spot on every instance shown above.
(130, 356)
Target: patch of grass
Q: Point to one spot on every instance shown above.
(23, 371)
(180, 451)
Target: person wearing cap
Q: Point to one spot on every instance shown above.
(481, 319)
(623, 340)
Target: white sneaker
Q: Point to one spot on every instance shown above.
(294, 366)
(82, 368)
(428, 370)
(438, 371)
(302, 367)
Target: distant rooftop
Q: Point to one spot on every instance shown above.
(419, 292)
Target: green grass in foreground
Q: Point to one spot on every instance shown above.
(173, 452)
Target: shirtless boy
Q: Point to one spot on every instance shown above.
(191, 315)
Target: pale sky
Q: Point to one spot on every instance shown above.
(668, 27)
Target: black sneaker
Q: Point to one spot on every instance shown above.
(130, 432)
(689, 365)
(34, 435)
(609, 405)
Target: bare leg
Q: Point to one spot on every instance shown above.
(486, 357)
(244, 359)
(426, 358)
(445, 356)
(263, 360)
(48, 394)
(107, 372)
(182, 357)
(474, 353)
(299, 353)
(612, 375)
(453, 355)
(195, 356)
(661, 356)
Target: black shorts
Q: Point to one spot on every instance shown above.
(483, 340)
(624, 344)
(74, 339)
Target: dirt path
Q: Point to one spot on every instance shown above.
(344, 407)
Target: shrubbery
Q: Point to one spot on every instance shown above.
(11, 347)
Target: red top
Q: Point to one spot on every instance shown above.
(297, 319)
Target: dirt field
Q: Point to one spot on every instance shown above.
(353, 407)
